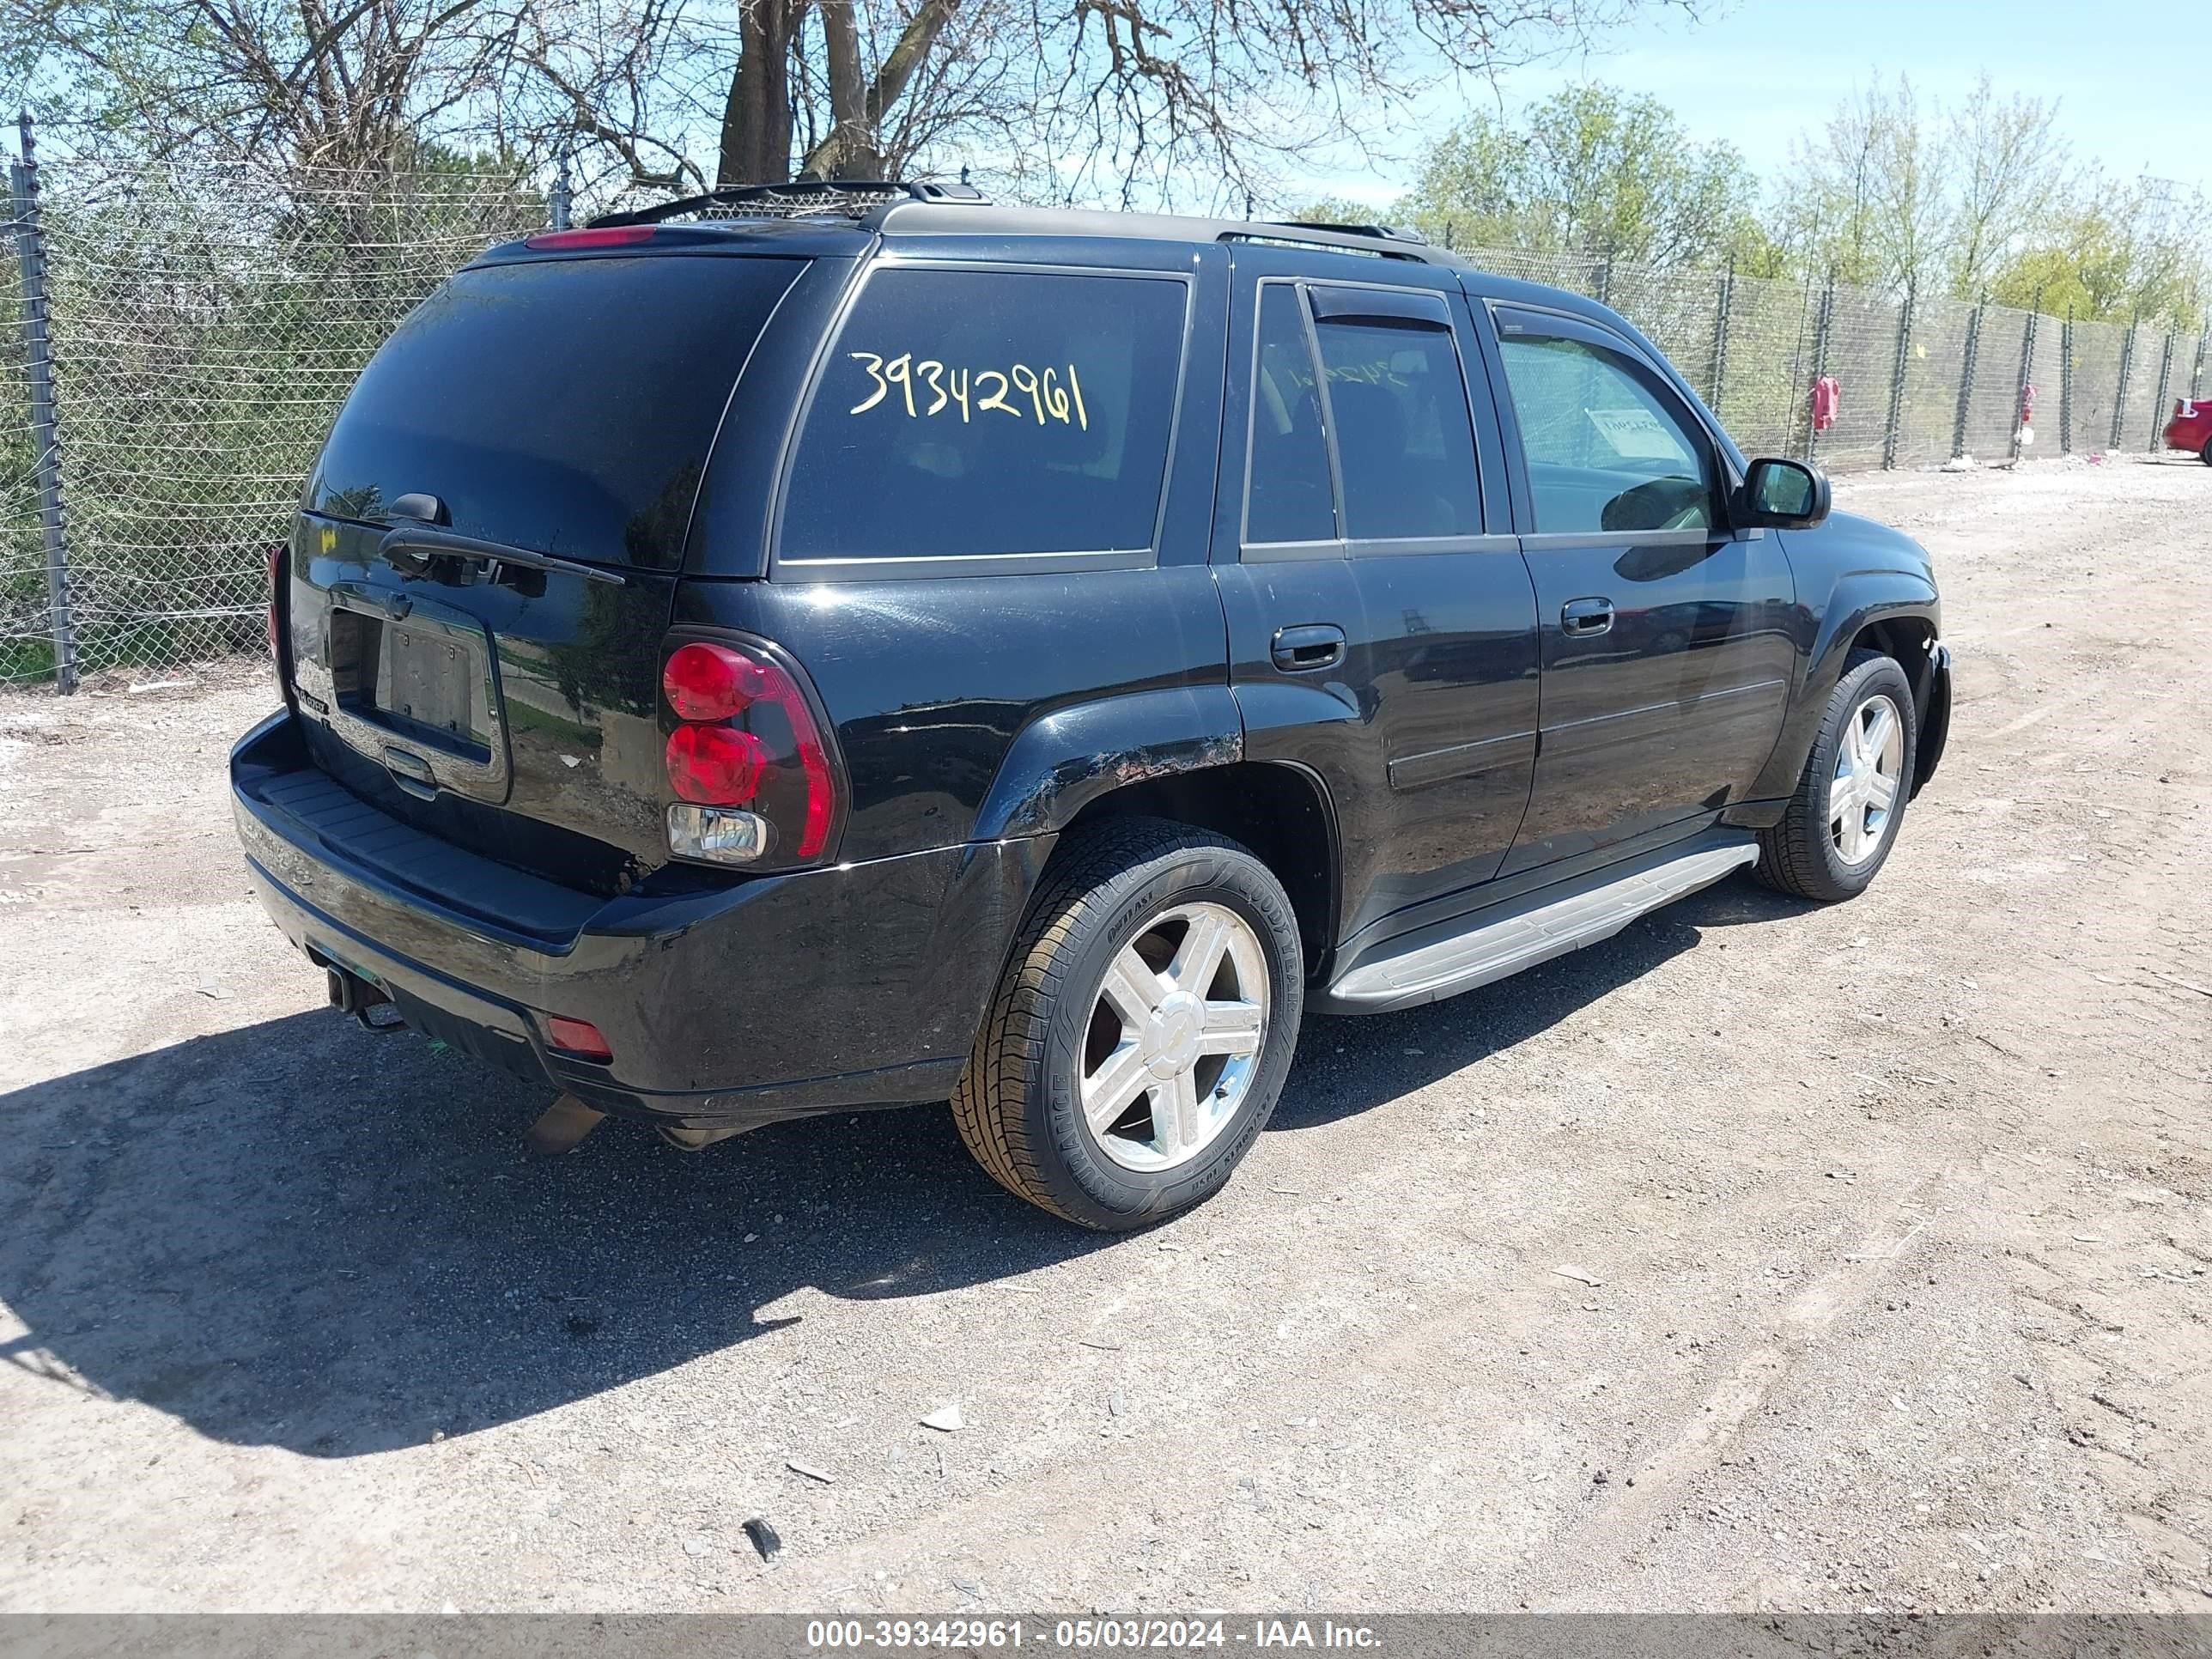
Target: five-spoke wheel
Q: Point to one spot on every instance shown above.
(1843, 818)
(1173, 1036)
(1143, 1028)
(1869, 773)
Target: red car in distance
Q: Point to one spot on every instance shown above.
(2191, 428)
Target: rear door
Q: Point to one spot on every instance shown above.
(486, 560)
(1665, 641)
(1382, 625)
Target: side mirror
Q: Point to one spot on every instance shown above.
(1785, 494)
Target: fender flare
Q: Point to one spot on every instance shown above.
(1858, 599)
(1060, 762)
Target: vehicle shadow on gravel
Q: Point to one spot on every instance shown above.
(303, 1235)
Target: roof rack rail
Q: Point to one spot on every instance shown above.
(851, 197)
(1371, 242)
(1386, 232)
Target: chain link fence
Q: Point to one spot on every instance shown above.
(1918, 384)
(197, 329)
(201, 326)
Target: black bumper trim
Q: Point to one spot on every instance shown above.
(778, 997)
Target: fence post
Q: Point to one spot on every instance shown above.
(1896, 416)
(2066, 384)
(1820, 357)
(1799, 393)
(2120, 392)
(2027, 368)
(1966, 378)
(2158, 404)
(30, 252)
(558, 204)
(2197, 371)
(1720, 335)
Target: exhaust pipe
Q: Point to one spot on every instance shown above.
(352, 995)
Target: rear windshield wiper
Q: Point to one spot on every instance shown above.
(427, 542)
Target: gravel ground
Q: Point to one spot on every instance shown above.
(1898, 1212)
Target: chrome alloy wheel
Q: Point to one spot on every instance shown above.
(1869, 768)
(1174, 1037)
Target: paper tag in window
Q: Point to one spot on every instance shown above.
(1636, 434)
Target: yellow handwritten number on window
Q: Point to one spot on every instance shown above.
(876, 373)
(1048, 400)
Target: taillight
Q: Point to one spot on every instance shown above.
(603, 236)
(746, 757)
(715, 765)
(273, 561)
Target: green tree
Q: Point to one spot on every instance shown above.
(1590, 170)
(1869, 197)
(2113, 252)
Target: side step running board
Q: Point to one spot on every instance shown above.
(1546, 923)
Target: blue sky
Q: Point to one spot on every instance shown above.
(2134, 83)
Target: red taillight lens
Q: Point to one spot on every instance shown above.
(704, 682)
(745, 733)
(716, 765)
(578, 1037)
(605, 236)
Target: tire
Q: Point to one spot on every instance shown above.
(2205, 453)
(1056, 1026)
(1808, 854)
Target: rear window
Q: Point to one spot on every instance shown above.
(989, 412)
(564, 405)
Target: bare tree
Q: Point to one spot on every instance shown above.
(1092, 98)
(332, 83)
(600, 74)
(2011, 166)
(1869, 199)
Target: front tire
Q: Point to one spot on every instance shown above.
(1850, 802)
(2205, 453)
(1142, 1034)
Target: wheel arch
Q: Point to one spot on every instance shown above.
(1894, 612)
(1281, 811)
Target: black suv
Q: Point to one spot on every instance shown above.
(738, 669)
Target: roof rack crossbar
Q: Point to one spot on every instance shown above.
(855, 196)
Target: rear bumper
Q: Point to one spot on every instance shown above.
(769, 999)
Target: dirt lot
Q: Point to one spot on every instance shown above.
(1900, 1211)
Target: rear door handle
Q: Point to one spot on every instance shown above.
(1583, 617)
(1308, 646)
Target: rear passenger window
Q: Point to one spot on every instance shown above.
(1403, 440)
(966, 412)
(1288, 497)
